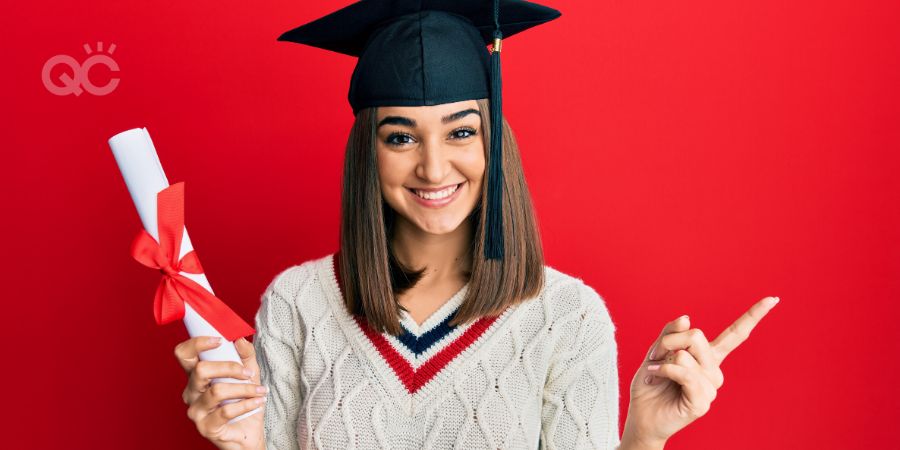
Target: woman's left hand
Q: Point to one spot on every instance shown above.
(678, 381)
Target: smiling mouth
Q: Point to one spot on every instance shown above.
(436, 195)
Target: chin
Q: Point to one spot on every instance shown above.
(438, 227)
(434, 222)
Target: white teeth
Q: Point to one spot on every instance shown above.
(436, 195)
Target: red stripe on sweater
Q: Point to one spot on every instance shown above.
(412, 379)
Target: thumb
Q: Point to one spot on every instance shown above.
(247, 353)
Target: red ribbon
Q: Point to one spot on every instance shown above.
(176, 289)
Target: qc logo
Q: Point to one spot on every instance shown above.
(80, 81)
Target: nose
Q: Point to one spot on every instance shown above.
(434, 165)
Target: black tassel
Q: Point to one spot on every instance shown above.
(493, 248)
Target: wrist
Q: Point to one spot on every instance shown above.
(632, 440)
(636, 443)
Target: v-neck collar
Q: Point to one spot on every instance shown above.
(415, 366)
(439, 317)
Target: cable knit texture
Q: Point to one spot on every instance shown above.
(543, 374)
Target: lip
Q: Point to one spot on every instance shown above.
(441, 188)
(437, 203)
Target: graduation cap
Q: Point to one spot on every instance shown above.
(429, 52)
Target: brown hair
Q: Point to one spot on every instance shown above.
(372, 277)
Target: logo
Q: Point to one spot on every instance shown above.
(80, 81)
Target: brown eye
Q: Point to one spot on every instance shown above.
(397, 139)
(462, 133)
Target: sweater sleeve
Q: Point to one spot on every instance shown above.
(278, 344)
(581, 395)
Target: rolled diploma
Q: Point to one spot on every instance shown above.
(144, 176)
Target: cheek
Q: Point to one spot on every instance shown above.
(472, 165)
(393, 170)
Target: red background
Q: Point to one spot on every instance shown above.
(684, 157)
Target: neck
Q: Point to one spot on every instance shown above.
(443, 255)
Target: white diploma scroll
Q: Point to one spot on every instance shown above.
(144, 176)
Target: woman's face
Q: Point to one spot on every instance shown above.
(431, 162)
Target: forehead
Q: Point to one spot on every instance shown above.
(427, 113)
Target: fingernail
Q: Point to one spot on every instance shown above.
(262, 389)
(214, 340)
(653, 367)
(647, 379)
(248, 372)
(653, 352)
(775, 302)
(260, 400)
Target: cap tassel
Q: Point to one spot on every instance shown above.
(493, 248)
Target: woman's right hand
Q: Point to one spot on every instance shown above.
(204, 398)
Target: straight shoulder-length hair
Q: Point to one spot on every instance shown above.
(372, 278)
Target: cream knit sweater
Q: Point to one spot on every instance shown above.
(541, 375)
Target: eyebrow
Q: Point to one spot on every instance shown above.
(400, 120)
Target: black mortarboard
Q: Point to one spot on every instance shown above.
(429, 52)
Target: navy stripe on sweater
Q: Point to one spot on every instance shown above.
(419, 345)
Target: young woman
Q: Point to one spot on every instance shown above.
(544, 370)
(437, 324)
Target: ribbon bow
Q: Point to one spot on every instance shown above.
(176, 289)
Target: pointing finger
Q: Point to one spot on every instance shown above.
(740, 330)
